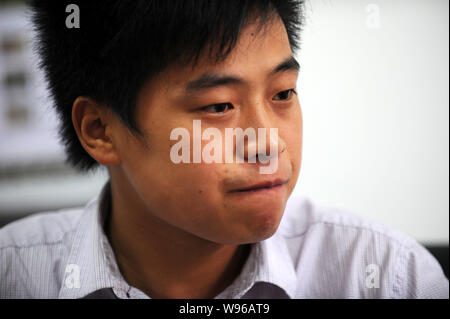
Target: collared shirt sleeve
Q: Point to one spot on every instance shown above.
(419, 275)
(318, 252)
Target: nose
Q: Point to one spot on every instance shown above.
(263, 147)
(267, 143)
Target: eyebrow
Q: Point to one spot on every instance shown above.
(290, 64)
(211, 80)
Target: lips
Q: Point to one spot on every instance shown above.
(261, 186)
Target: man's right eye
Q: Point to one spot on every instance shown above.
(218, 108)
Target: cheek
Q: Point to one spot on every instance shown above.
(172, 190)
(293, 135)
(296, 138)
(190, 198)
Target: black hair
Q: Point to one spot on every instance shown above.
(121, 44)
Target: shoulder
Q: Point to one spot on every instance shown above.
(303, 216)
(44, 228)
(33, 250)
(343, 249)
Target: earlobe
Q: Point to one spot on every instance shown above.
(93, 127)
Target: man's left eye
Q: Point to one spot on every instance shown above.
(284, 95)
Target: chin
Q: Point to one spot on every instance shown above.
(262, 226)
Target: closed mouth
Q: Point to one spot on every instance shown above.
(261, 186)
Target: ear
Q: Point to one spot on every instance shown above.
(93, 125)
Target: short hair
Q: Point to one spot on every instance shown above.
(120, 45)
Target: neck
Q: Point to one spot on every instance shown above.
(164, 261)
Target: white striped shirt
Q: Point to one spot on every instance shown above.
(317, 252)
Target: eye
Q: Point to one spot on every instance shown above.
(217, 108)
(284, 95)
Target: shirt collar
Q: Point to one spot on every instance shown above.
(91, 253)
(268, 272)
(268, 266)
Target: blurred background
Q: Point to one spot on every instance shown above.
(374, 90)
(33, 175)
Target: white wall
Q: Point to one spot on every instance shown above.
(375, 103)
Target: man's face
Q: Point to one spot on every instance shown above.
(200, 198)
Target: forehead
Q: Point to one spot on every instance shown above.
(257, 51)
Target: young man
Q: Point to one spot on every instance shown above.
(178, 218)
